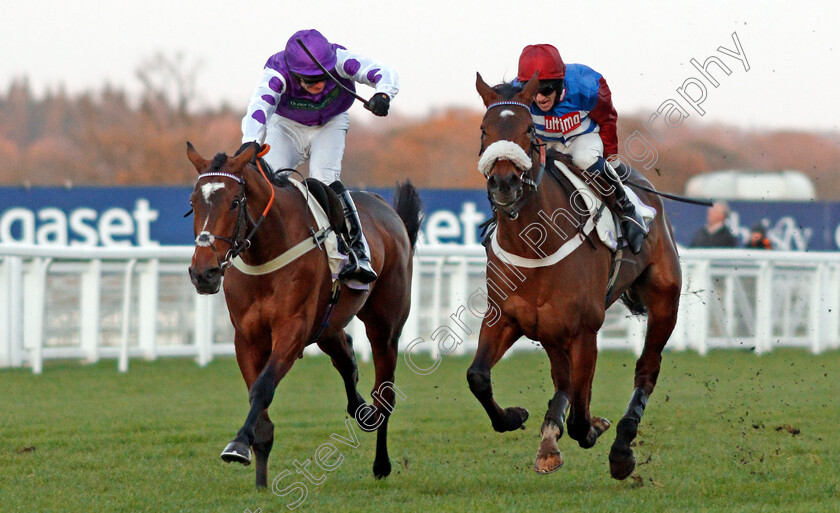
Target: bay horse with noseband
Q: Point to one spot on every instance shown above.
(560, 301)
(277, 313)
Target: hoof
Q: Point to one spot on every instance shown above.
(381, 470)
(353, 408)
(237, 452)
(600, 425)
(622, 462)
(549, 458)
(514, 419)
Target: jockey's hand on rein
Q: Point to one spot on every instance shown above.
(247, 145)
(378, 104)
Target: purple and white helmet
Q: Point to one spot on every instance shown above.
(300, 63)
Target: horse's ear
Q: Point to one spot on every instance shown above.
(485, 91)
(245, 156)
(529, 90)
(197, 160)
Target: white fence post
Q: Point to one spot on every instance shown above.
(5, 310)
(698, 317)
(89, 309)
(126, 316)
(34, 287)
(764, 309)
(11, 316)
(817, 306)
(832, 316)
(148, 293)
(15, 283)
(411, 330)
(203, 328)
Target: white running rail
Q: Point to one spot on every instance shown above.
(85, 303)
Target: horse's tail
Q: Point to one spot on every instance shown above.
(409, 207)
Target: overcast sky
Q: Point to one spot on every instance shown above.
(643, 49)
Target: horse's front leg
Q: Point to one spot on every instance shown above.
(549, 458)
(260, 394)
(583, 353)
(493, 341)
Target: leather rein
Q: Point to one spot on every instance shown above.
(238, 244)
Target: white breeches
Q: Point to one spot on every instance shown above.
(584, 149)
(292, 143)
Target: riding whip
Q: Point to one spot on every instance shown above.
(674, 197)
(322, 68)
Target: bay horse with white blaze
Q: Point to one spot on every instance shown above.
(278, 311)
(560, 301)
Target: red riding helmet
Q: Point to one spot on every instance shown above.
(542, 58)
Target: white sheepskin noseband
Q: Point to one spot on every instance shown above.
(503, 150)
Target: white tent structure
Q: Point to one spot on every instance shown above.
(788, 185)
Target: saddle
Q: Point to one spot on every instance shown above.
(323, 195)
(607, 227)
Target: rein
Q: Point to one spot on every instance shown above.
(237, 245)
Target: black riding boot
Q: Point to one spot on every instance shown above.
(358, 265)
(632, 225)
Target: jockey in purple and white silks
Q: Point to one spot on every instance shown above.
(302, 114)
(573, 113)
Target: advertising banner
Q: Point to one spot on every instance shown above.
(143, 216)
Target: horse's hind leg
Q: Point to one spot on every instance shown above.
(340, 350)
(384, 337)
(493, 342)
(661, 293)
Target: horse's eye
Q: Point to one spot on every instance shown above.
(235, 204)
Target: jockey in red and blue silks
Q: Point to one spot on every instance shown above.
(301, 113)
(573, 114)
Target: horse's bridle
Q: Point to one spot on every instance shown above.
(537, 146)
(237, 241)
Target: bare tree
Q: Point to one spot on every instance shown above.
(169, 80)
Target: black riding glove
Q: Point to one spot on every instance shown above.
(378, 104)
(247, 145)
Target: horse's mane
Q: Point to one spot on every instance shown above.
(218, 161)
(278, 179)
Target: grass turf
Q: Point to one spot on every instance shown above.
(730, 431)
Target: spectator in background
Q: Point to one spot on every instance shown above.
(716, 233)
(758, 238)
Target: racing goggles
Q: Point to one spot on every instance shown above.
(310, 80)
(549, 86)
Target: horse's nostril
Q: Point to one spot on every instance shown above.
(208, 276)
